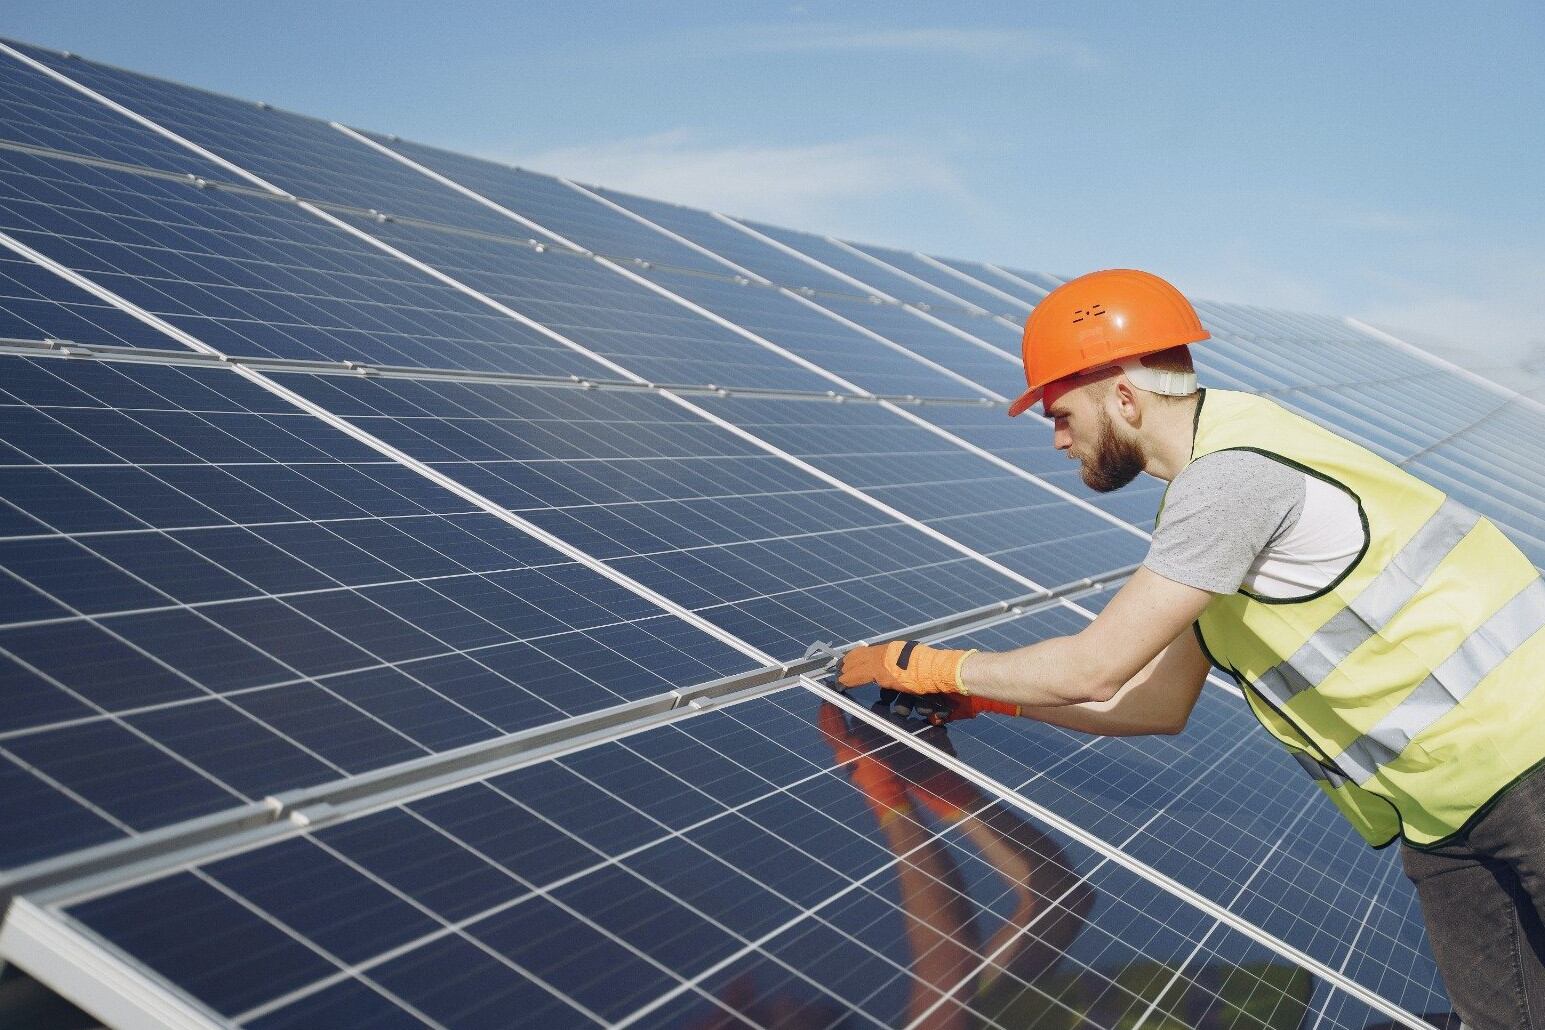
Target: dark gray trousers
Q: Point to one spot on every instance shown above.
(1483, 898)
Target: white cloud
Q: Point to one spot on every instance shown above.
(1010, 44)
(804, 185)
(1482, 300)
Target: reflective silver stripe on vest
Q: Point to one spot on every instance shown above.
(1438, 694)
(1372, 609)
(1317, 771)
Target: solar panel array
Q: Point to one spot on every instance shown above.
(408, 561)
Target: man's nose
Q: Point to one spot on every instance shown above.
(1061, 439)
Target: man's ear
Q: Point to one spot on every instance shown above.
(1124, 395)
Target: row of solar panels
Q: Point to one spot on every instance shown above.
(229, 583)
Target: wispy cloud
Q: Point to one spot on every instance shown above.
(999, 43)
(798, 184)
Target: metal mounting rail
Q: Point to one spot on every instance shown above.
(52, 347)
(145, 855)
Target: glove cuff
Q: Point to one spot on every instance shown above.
(960, 664)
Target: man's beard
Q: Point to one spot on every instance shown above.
(1115, 462)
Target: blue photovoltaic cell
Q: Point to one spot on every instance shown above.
(1007, 336)
(208, 596)
(253, 276)
(745, 538)
(36, 304)
(777, 856)
(41, 112)
(954, 287)
(1016, 522)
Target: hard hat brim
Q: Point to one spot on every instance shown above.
(1029, 397)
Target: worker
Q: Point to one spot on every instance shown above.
(1392, 639)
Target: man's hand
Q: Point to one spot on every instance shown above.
(904, 665)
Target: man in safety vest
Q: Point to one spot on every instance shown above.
(1390, 638)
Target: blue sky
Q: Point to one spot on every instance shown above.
(1381, 160)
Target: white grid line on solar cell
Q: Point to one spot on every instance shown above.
(992, 332)
(325, 216)
(606, 862)
(97, 975)
(562, 289)
(432, 408)
(862, 287)
(1036, 290)
(684, 241)
(1447, 366)
(1243, 888)
(262, 277)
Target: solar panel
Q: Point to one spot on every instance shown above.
(780, 889)
(958, 284)
(745, 538)
(212, 596)
(574, 216)
(460, 684)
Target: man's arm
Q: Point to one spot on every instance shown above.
(1158, 699)
(1121, 648)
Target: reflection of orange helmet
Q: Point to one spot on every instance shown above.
(1100, 319)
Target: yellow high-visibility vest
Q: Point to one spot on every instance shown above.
(1412, 688)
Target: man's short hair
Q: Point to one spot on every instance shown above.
(1174, 359)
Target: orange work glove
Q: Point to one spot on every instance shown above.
(969, 707)
(904, 665)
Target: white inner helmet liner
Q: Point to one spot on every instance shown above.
(1170, 384)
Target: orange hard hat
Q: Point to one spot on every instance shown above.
(1100, 319)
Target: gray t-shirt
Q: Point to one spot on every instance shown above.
(1220, 514)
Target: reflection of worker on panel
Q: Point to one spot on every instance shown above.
(915, 800)
(1390, 637)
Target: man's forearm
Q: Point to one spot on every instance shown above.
(1156, 700)
(1049, 674)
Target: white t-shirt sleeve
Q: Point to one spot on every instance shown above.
(1238, 519)
(1220, 514)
